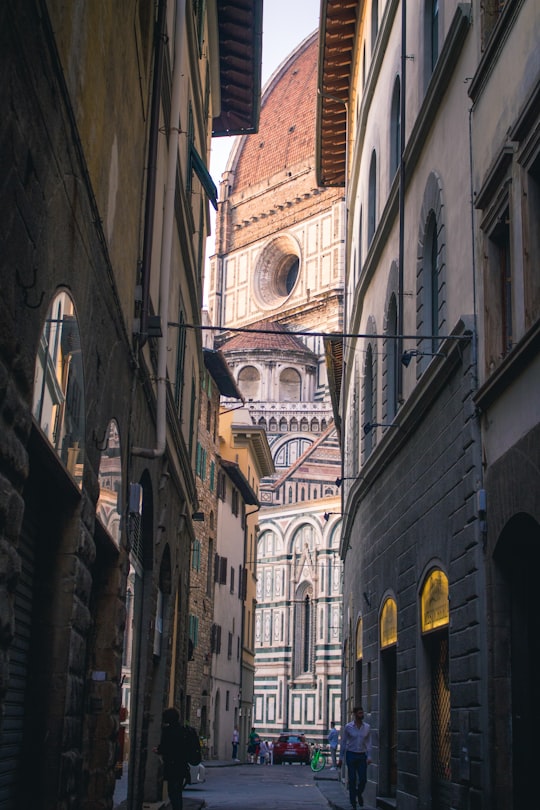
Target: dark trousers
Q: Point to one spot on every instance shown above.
(174, 789)
(357, 773)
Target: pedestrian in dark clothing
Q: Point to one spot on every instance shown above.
(173, 751)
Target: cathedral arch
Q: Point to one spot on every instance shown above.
(304, 630)
(110, 483)
(290, 385)
(249, 382)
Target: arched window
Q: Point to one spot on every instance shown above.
(283, 425)
(304, 631)
(58, 405)
(364, 65)
(431, 37)
(372, 197)
(304, 424)
(314, 425)
(431, 270)
(374, 23)
(273, 425)
(293, 426)
(392, 364)
(262, 422)
(395, 128)
(369, 401)
(307, 634)
(249, 381)
(431, 280)
(290, 385)
(290, 451)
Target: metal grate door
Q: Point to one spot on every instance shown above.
(440, 723)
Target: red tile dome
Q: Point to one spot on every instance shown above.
(286, 134)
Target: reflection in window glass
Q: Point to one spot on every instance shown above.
(110, 483)
(58, 405)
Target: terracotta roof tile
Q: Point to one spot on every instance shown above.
(273, 337)
(287, 124)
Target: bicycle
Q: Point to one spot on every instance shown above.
(318, 759)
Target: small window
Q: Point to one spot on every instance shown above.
(374, 23)
(431, 37)
(372, 197)
(395, 128)
(431, 279)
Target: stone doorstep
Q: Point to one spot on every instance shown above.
(386, 803)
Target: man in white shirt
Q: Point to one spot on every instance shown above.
(333, 739)
(356, 746)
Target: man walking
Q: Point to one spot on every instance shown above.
(356, 745)
(333, 738)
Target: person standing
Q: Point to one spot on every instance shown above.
(235, 741)
(253, 745)
(263, 752)
(174, 752)
(333, 738)
(356, 746)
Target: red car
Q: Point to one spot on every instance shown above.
(291, 748)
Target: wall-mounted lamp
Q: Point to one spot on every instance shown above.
(406, 357)
(347, 478)
(326, 515)
(368, 427)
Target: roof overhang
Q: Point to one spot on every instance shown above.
(336, 51)
(218, 368)
(240, 55)
(254, 437)
(240, 481)
(333, 350)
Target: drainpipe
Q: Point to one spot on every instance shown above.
(166, 243)
(403, 91)
(152, 170)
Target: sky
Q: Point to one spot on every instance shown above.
(286, 23)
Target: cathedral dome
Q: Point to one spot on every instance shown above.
(286, 134)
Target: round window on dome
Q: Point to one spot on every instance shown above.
(277, 271)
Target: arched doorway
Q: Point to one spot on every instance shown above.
(434, 708)
(388, 708)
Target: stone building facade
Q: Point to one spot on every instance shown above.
(505, 126)
(426, 118)
(217, 382)
(245, 459)
(104, 202)
(277, 274)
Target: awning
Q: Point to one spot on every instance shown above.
(217, 366)
(333, 350)
(204, 176)
(240, 55)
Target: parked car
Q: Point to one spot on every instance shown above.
(291, 748)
